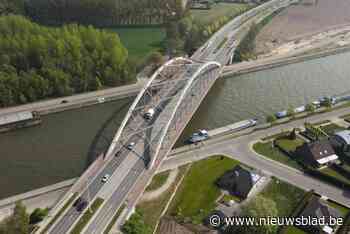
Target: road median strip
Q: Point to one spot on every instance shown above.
(59, 213)
(114, 219)
(90, 211)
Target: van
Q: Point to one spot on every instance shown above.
(149, 114)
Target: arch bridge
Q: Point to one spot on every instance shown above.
(174, 92)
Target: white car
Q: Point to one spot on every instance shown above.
(131, 146)
(149, 114)
(105, 178)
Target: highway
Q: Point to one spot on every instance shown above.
(128, 165)
(75, 101)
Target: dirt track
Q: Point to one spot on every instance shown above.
(302, 20)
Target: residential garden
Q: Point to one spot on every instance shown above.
(282, 148)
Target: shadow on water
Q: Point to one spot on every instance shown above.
(105, 135)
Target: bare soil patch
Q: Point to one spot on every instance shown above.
(302, 20)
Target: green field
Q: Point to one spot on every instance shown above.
(217, 11)
(196, 196)
(141, 40)
(274, 153)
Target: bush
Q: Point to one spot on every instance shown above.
(38, 215)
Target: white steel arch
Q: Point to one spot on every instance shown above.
(183, 94)
(136, 101)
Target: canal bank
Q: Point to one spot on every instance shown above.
(274, 62)
(49, 195)
(128, 91)
(59, 148)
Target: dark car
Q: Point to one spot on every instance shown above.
(81, 206)
(78, 201)
(64, 101)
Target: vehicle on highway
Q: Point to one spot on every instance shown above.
(78, 201)
(105, 178)
(130, 146)
(149, 114)
(81, 206)
(199, 136)
(64, 101)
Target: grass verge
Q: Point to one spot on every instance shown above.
(53, 220)
(332, 128)
(152, 210)
(158, 180)
(87, 216)
(267, 150)
(335, 174)
(342, 209)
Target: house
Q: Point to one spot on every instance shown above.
(318, 208)
(342, 139)
(317, 154)
(239, 181)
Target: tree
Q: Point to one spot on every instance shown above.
(271, 118)
(310, 108)
(156, 59)
(38, 62)
(136, 225)
(258, 208)
(38, 215)
(293, 134)
(18, 222)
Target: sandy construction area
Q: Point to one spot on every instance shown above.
(302, 20)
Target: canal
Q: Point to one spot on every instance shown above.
(60, 148)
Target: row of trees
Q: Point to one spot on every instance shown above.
(20, 222)
(185, 34)
(37, 62)
(11, 7)
(102, 12)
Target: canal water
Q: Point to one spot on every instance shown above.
(60, 148)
